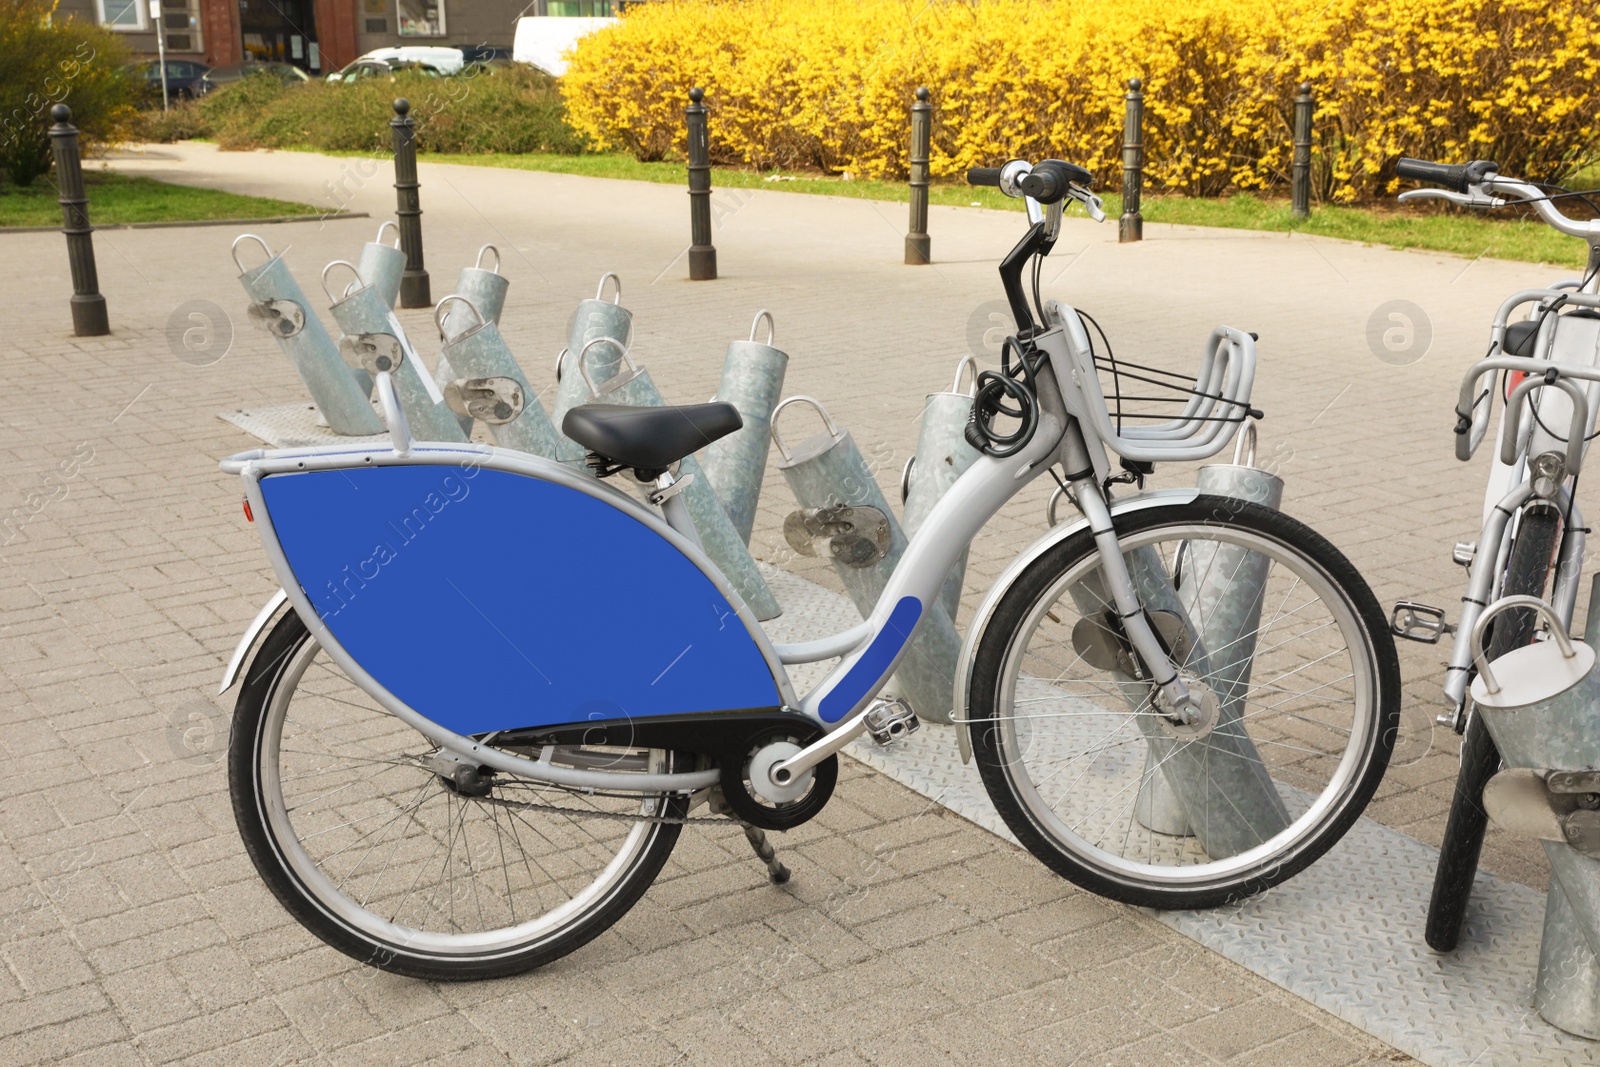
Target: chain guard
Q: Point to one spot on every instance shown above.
(768, 816)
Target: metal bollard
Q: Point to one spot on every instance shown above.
(942, 456)
(1227, 596)
(752, 381)
(702, 256)
(484, 291)
(1538, 703)
(919, 246)
(381, 265)
(828, 475)
(89, 318)
(414, 292)
(633, 387)
(478, 353)
(279, 307)
(592, 320)
(1130, 227)
(369, 325)
(1304, 106)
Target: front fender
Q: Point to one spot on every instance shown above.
(253, 631)
(1052, 537)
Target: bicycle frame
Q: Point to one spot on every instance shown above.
(870, 650)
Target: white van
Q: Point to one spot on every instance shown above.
(541, 40)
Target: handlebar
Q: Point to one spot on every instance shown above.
(1479, 184)
(1049, 181)
(1457, 176)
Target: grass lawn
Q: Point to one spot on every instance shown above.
(120, 198)
(1420, 226)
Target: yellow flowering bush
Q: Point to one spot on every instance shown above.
(827, 83)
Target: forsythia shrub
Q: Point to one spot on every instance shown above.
(826, 83)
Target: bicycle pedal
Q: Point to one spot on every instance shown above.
(889, 721)
(1419, 622)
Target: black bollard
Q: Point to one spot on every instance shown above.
(414, 290)
(702, 256)
(1304, 105)
(88, 306)
(919, 246)
(1130, 227)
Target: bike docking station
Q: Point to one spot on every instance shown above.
(1540, 703)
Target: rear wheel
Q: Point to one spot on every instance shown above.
(1527, 570)
(395, 858)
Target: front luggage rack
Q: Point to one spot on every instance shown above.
(1214, 400)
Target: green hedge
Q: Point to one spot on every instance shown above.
(498, 109)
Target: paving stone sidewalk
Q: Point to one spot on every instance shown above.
(135, 929)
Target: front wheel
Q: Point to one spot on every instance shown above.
(393, 857)
(1296, 670)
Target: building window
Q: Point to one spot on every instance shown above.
(579, 8)
(180, 21)
(125, 15)
(421, 18)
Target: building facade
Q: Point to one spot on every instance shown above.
(317, 35)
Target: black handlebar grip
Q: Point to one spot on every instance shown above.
(984, 176)
(1045, 184)
(1451, 176)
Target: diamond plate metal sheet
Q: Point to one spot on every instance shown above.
(291, 426)
(1345, 935)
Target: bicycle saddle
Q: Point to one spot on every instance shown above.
(649, 439)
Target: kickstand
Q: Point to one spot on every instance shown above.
(763, 848)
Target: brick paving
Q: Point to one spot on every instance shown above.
(135, 928)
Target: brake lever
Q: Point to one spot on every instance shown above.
(1473, 199)
(1091, 203)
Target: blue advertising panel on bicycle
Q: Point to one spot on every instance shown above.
(542, 605)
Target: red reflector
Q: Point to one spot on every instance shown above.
(247, 516)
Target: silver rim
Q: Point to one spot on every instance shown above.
(381, 843)
(1124, 790)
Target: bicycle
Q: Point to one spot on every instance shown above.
(1550, 385)
(1175, 701)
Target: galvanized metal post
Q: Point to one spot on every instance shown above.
(919, 246)
(414, 291)
(1304, 105)
(89, 317)
(752, 381)
(382, 266)
(484, 291)
(827, 471)
(370, 325)
(478, 351)
(702, 256)
(281, 308)
(1130, 227)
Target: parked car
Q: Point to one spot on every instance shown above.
(486, 55)
(287, 73)
(381, 61)
(183, 78)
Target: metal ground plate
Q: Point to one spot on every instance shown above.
(291, 426)
(1345, 935)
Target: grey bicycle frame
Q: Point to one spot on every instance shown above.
(964, 509)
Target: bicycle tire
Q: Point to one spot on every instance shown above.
(356, 907)
(1068, 832)
(1527, 570)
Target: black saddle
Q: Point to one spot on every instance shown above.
(649, 439)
